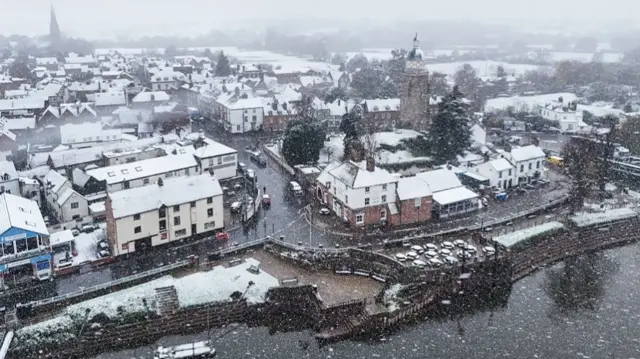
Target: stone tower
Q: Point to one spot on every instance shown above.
(414, 91)
(55, 37)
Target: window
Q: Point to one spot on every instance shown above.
(500, 174)
(111, 174)
(138, 169)
(210, 161)
(359, 218)
(509, 171)
(125, 171)
(210, 212)
(74, 205)
(137, 229)
(219, 160)
(521, 168)
(125, 246)
(530, 165)
(168, 174)
(180, 232)
(367, 190)
(238, 128)
(126, 185)
(384, 187)
(162, 212)
(384, 198)
(538, 164)
(162, 225)
(186, 171)
(193, 204)
(75, 216)
(417, 202)
(176, 221)
(210, 225)
(383, 213)
(346, 199)
(254, 118)
(176, 208)
(136, 217)
(145, 181)
(209, 200)
(366, 201)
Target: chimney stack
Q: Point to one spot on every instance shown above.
(370, 164)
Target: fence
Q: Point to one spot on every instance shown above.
(70, 225)
(103, 286)
(270, 150)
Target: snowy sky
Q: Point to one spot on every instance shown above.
(94, 19)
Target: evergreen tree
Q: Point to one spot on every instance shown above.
(450, 133)
(334, 94)
(351, 125)
(304, 136)
(222, 67)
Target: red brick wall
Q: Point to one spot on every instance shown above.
(275, 123)
(111, 224)
(409, 213)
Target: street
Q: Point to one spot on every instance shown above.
(286, 217)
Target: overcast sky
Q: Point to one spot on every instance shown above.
(95, 19)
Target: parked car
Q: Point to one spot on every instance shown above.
(266, 201)
(75, 232)
(447, 245)
(435, 262)
(250, 174)
(488, 250)
(324, 211)
(470, 248)
(88, 228)
(221, 236)
(236, 207)
(295, 188)
(258, 160)
(431, 254)
(103, 253)
(242, 167)
(401, 257)
(412, 255)
(459, 243)
(419, 263)
(451, 260)
(431, 247)
(444, 252)
(418, 249)
(464, 254)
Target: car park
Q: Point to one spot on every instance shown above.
(459, 243)
(451, 260)
(463, 254)
(488, 250)
(418, 249)
(412, 255)
(444, 252)
(431, 247)
(419, 263)
(447, 245)
(431, 254)
(401, 257)
(435, 262)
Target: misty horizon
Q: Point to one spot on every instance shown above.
(121, 19)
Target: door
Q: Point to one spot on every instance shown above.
(194, 229)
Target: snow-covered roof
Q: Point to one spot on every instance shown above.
(53, 181)
(500, 165)
(64, 196)
(174, 191)
(79, 177)
(355, 175)
(412, 187)
(22, 213)
(440, 179)
(61, 237)
(212, 149)
(110, 98)
(526, 153)
(515, 237)
(151, 96)
(142, 169)
(20, 123)
(27, 103)
(618, 214)
(381, 105)
(88, 132)
(454, 195)
(8, 168)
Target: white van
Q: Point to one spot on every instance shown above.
(295, 188)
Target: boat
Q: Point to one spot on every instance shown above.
(195, 350)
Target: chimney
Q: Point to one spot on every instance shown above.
(243, 68)
(371, 164)
(339, 103)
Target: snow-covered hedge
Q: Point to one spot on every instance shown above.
(590, 219)
(517, 237)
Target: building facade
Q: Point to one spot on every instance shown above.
(414, 91)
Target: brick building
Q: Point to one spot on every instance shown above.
(414, 91)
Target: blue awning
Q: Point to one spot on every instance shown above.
(40, 258)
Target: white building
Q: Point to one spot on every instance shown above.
(242, 115)
(528, 162)
(359, 193)
(500, 172)
(69, 206)
(88, 135)
(568, 116)
(167, 79)
(141, 173)
(211, 155)
(9, 181)
(172, 209)
(450, 197)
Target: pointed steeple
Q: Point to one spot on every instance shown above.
(54, 30)
(416, 42)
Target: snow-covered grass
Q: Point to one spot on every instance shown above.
(510, 239)
(390, 296)
(526, 103)
(335, 147)
(589, 219)
(213, 286)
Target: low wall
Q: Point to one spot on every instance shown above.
(571, 242)
(279, 160)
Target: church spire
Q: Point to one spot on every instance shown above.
(416, 42)
(54, 29)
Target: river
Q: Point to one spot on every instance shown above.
(584, 307)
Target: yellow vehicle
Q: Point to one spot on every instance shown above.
(556, 161)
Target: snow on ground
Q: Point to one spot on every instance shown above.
(216, 285)
(585, 56)
(335, 148)
(390, 296)
(600, 111)
(526, 103)
(483, 68)
(87, 245)
(588, 219)
(515, 237)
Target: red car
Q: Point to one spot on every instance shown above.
(222, 236)
(266, 200)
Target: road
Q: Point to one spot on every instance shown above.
(285, 217)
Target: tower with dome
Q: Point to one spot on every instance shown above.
(414, 90)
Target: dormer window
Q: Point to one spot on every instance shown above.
(375, 108)
(5, 177)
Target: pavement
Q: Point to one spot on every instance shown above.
(285, 217)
